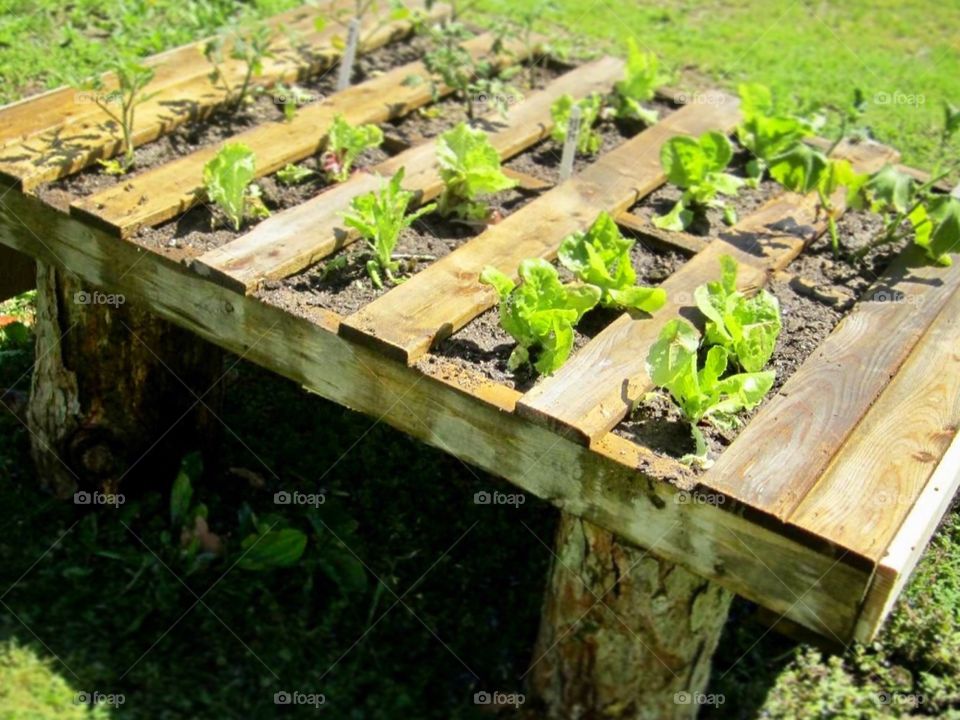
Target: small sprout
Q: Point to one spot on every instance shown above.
(639, 85)
(590, 108)
(227, 182)
(380, 218)
(600, 257)
(540, 313)
(697, 167)
(294, 174)
(132, 78)
(469, 168)
(345, 143)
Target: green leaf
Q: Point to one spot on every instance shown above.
(697, 166)
(191, 468)
(226, 177)
(641, 80)
(951, 120)
(272, 549)
(678, 219)
(469, 168)
(345, 143)
(589, 141)
(800, 169)
(756, 100)
(891, 188)
(500, 282)
(943, 237)
(294, 174)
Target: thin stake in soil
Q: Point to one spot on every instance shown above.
(570, 146)
(349, 56)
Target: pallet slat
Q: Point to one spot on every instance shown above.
(803, 427)
(295, 239)
(874, 480)
(171, 189)
(70, 148)
(440, 300)
(595, 390)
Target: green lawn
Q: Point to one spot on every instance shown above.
(112, 606)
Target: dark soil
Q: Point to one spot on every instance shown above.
(223, 125)
(484, 346)
(347, 288)
(191, 235)
(543, 160)
(709, 223)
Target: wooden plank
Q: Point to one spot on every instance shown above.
(171, 189)
(58, 108)
(18, 273)
(296, 238)
(909, 544)
(872, 483)
(78, 144)
(437, 302)
(803, 427)
(663, 239)
(595, 390)
(617, 485)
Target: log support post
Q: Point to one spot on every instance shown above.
(118, 395)
(624, 635)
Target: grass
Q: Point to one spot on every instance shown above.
(107, 601)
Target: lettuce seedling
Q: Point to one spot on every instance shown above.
(294, 174)
(697, 167)
(469, 168)
(540, 313)
(589, 141)
(600, 257)
(132, 78)
(226, 180)
(345, 143)
(746, 328)
(764, 132)
(639, 85)
(380, 217)
(702, 393)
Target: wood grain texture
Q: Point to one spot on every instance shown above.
(18, 273)
(72, 147)
(780, 455)
(171, 189)
(874, 480)
(59, 108)
(296, 238)
(616, 485)
(437, 302)
(599, 385)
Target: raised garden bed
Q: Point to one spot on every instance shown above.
(291, 292)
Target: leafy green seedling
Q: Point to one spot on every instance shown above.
(345, 143)
(702, 393)
(227, 181)
(469, 168)
(765, 132)
(639, 85)
(291, 97)
(747, 328)
(132, 78)
(697, 167)
(251, 47)
(294, 174)
(600, 257)
(590, 108)
(380, 218)
(540, 313)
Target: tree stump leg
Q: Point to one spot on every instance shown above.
(114, 393)
(623, 634)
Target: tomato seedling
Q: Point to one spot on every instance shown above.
(251, 47)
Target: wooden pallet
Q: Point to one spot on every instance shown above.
(796, 524)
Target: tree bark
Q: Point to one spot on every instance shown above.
(115, 390)
(623, 634)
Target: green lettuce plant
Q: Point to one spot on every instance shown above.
(540, 313)
(765, 132)
(639, 85)
(600, 256)
(589, 140)
(345, 143)
(227, 182)
(380, 217)
(469, 168)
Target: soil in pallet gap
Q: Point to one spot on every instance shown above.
(543, 161)
(224, 124)
(709, 223)
(807, 322)
(347, 288)
(483, 346)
